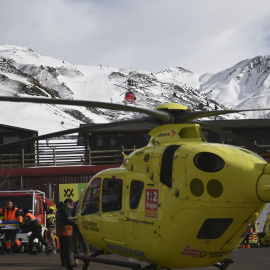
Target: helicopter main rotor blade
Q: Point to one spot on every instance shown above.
(166, 116)
(161, 115)
(152, 121)
(187, 116)
(242, 142)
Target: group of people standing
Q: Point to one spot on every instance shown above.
(66, 229)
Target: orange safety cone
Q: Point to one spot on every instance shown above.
(248, 245)
(243, 246)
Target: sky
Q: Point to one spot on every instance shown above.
(152, 35)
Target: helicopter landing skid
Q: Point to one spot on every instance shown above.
(92, 258)
(223, 265)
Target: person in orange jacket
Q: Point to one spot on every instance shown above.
(12, 215)
(31, 224)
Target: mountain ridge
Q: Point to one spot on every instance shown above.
(234, 86)
(24, 72)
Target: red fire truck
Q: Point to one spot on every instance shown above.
(35, 201)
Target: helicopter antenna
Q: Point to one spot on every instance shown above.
(124, 155)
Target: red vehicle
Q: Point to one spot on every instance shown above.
(35, 201)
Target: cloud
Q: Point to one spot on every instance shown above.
(199, 35)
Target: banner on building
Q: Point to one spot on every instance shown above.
(73, 191)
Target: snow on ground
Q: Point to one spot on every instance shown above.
(23, 55)
(179, 76)
(93, 84)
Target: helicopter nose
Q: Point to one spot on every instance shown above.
(263, 185)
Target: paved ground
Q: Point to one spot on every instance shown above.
(245, 259)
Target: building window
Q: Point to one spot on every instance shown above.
(99, 141)
(10, 139)
(112, 142)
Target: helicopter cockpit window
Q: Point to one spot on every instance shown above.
(213, 228)
(136, 189)
(78, 204)
(112, 195)
(91, 198)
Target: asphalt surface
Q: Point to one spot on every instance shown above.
(244, 259)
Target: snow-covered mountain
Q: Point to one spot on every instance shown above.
(245, 85)
(24, 72)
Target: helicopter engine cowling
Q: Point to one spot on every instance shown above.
(263, 185)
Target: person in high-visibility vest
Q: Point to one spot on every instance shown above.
(12, 215)
(51, 218)
(31, 224)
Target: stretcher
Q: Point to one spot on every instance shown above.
(7, 226)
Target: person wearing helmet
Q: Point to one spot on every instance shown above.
(12, 215)
(51, 225)
(31, 224)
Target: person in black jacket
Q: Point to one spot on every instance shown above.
(31, 225)
(64, 230)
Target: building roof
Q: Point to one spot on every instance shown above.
(240, 123)
(6, 127)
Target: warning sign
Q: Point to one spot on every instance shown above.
(151, 203)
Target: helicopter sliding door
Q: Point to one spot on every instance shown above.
(112, 217)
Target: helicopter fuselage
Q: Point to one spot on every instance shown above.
(178, 202)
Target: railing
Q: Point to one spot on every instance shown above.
(68, 154)
(17, 160)
(62, 154)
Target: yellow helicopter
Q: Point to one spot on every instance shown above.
(179, 202)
